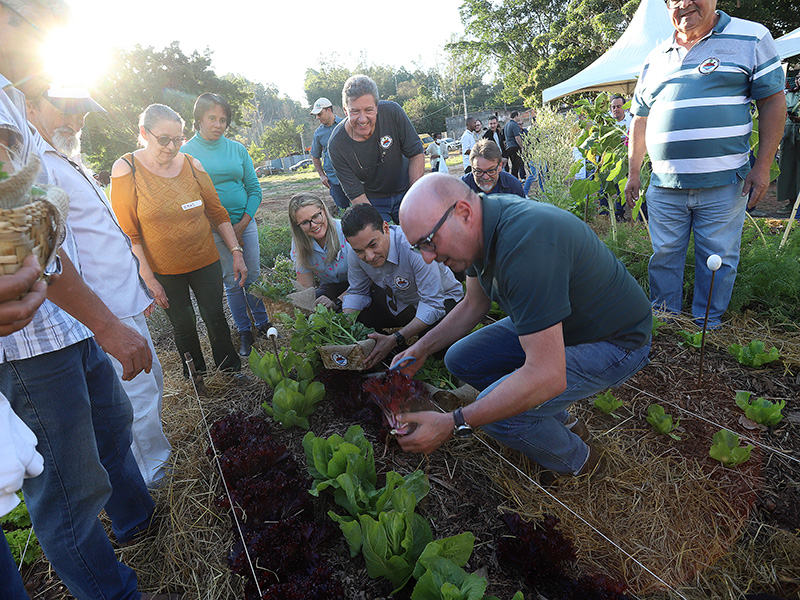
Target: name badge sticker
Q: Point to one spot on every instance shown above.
(194, 204)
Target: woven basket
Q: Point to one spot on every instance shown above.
(30, 223)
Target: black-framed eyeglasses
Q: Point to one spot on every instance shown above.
(676, 3)
(426, 244)
(165, 140)
(315, 219)
(490, 172)
(378, 164)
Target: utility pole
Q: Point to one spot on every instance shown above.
(464, 94)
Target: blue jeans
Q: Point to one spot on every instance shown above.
(388, 207)
(534, 175)
(340, 199)
(11, 587)
(716, 215)
(74, 403)
(488, 356)
(238, 299)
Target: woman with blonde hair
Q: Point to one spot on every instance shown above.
(318, 248)
(167, 205)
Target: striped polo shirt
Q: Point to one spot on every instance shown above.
(698, 103)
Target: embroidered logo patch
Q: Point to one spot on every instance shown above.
(709, 65)
(339, 359)
(386, 142)
(401, 282)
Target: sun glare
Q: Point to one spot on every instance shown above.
(73, 58)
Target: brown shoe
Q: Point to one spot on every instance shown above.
(592, 462)
(578, 427)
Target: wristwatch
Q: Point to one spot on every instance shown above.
(400, 338)
(237, 249)
(462, 428)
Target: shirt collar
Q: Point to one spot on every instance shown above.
(719, 27)
(199, 139)
(394, 254)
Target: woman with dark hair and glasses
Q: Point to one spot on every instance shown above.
(319, 250)
(167, 205)
(231, 170)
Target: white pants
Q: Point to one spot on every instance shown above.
(149, 444)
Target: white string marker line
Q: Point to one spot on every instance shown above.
(25, 549)
(604, 536)
(702, 418)
(225, 483)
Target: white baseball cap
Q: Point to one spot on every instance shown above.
(319, 105)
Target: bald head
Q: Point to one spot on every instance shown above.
(459, 237)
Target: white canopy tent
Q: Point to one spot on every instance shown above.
(789, 44)
(616, 71)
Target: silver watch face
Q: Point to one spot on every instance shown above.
(462, 431)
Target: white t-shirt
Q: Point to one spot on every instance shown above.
(468, 140)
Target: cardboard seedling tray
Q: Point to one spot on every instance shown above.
(346, 358)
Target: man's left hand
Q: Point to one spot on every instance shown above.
(433, 430)
(758, 182)
(384, 345)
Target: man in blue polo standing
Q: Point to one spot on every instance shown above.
(323, 110)
(692, 114)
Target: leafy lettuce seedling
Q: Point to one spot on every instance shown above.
(607, 402)
(753, 355)
(20, 520)
(273, 369)
(761, 411)
(661, 421)
(726, 449)
(693, 340)
(293, 402)
(443, 579)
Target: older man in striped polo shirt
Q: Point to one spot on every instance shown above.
(692, 114)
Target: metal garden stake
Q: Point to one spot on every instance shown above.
(714, 262)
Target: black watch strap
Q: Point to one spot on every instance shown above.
(401, 340)
(462, 428)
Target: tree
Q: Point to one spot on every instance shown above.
(779, 16)
(256, 153)
(426, 112)
(282, 138)
(326, 83)
(144, 76)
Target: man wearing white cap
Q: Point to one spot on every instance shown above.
(323, 110)
(107, 262)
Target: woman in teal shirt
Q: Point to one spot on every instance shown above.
(231, 170)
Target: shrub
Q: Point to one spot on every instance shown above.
(272, 241)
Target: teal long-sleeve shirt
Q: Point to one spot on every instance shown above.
(231, 170)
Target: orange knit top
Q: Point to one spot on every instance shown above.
(169, 216)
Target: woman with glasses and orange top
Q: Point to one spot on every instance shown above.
(167, 205)
(318, 248)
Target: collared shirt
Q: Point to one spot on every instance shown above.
(319, 148)
(107, 262)
(51, 328)
(334, 272)
(407, 279)
(506, 184)
(698, 103)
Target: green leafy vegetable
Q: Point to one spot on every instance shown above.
(444, 579)
(693, 340)
(293, 402)
(327, 458)
(726, 449)
(661, 421)
(607, 402)
(435, 373)
(657, 324)
(761, 411)
(278, 283)
(753, 355)
(273, 369)
(324, 328)
(18, 532)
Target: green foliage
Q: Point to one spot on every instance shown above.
(19, 533)
(143, 76)
(607, 403)
(761, 411)
(293, 402)
(256, 153)
(330, 457)
(274, 369)
(753, 355)
(657, 324)
(324, 327)
(278, 282)
(549, 145)
(692, 340)
(282, 138)
(726, 449)
(662, 422)
(273, 241)
(444, 579)
(426, 112)
(435, 373)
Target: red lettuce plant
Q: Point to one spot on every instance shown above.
(396, 393)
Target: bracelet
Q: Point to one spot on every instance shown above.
(237, 249)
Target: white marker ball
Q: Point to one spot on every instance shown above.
(714, 262)
(273, 333)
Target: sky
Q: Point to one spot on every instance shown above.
(265, 41)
